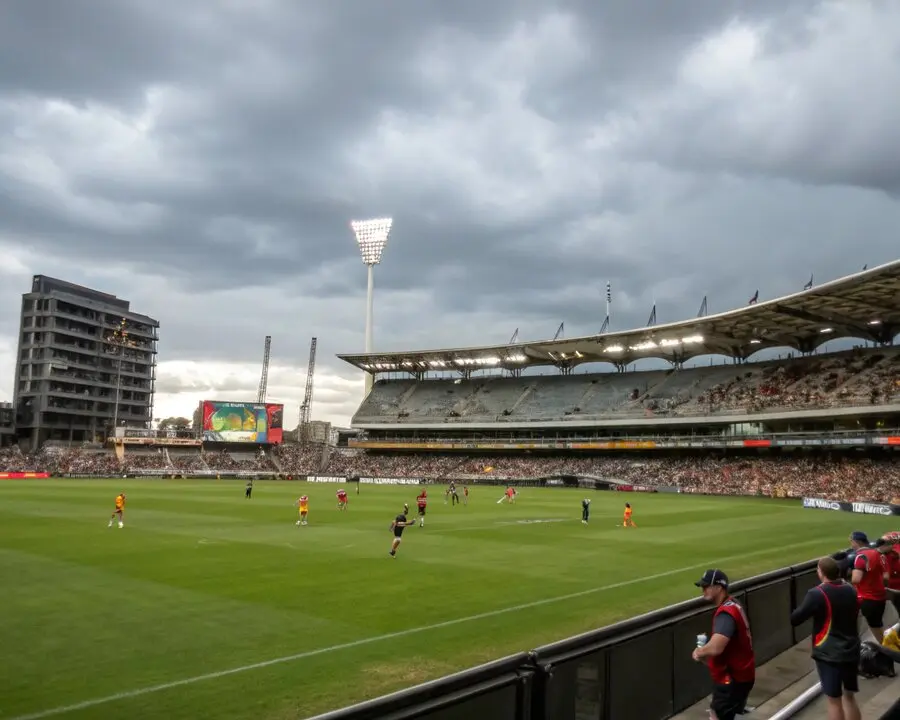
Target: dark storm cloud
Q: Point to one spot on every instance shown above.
(529, 152)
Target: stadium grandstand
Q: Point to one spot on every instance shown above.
(495, 387)
(768, 412)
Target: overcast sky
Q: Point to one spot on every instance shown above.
(203, 160)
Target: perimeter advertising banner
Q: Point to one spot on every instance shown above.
(864, 508)
(231, 422)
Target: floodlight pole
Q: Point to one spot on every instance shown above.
(372, 236)
(370, 320)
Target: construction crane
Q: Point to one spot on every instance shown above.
(264, 379)
(303, 427)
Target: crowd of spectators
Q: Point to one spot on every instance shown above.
(856, 378)
(859, 377)
(831, 477)
(825, 477)
(105, 463)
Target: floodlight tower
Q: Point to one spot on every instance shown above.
(372, 236)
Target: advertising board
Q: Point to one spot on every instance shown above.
(235, 422)
(864, 508)
(389, 481)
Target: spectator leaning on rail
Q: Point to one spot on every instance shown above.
(834, 610)
(870, 576)
(729, 652)
(889, 547)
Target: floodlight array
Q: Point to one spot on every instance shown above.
(372, 236)
(467, 362)
(652, 345)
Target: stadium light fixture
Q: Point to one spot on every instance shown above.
(371, 236)
(874, 322)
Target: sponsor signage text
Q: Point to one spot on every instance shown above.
(862, 508)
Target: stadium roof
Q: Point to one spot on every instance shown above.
(864, 305)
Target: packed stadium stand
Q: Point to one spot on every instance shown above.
(848, 379)
(846, 477)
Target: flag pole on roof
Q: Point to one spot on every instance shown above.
(605, 327)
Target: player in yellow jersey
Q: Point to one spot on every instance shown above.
(119, 512)
(303, 504)
(627, 521)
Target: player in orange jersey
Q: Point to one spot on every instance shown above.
(342, 499)
(303, 504)
(119, 512)
(627, 521)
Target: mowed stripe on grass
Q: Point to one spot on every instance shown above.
(194, 618)
(395, 635)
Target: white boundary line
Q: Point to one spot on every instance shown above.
(62, 710)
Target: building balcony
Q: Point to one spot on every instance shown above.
(61, 342)
(100, 380)
(87, 316)
(64, 327)
(79, 410)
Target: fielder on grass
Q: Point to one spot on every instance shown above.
(397, 527)
(119, 511)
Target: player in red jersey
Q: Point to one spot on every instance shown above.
(422, 504)
(890, 550)
(342, 499)
(869, 575)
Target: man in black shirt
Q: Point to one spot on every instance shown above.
(397, 527)
(834, 609)
(585, 511)
(249, 489)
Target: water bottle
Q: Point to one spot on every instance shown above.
(702, 640)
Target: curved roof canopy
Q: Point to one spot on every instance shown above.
(864, 305)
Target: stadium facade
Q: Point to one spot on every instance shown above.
(549, 394)
(85, 362)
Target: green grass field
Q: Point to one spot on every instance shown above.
(147, 621)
